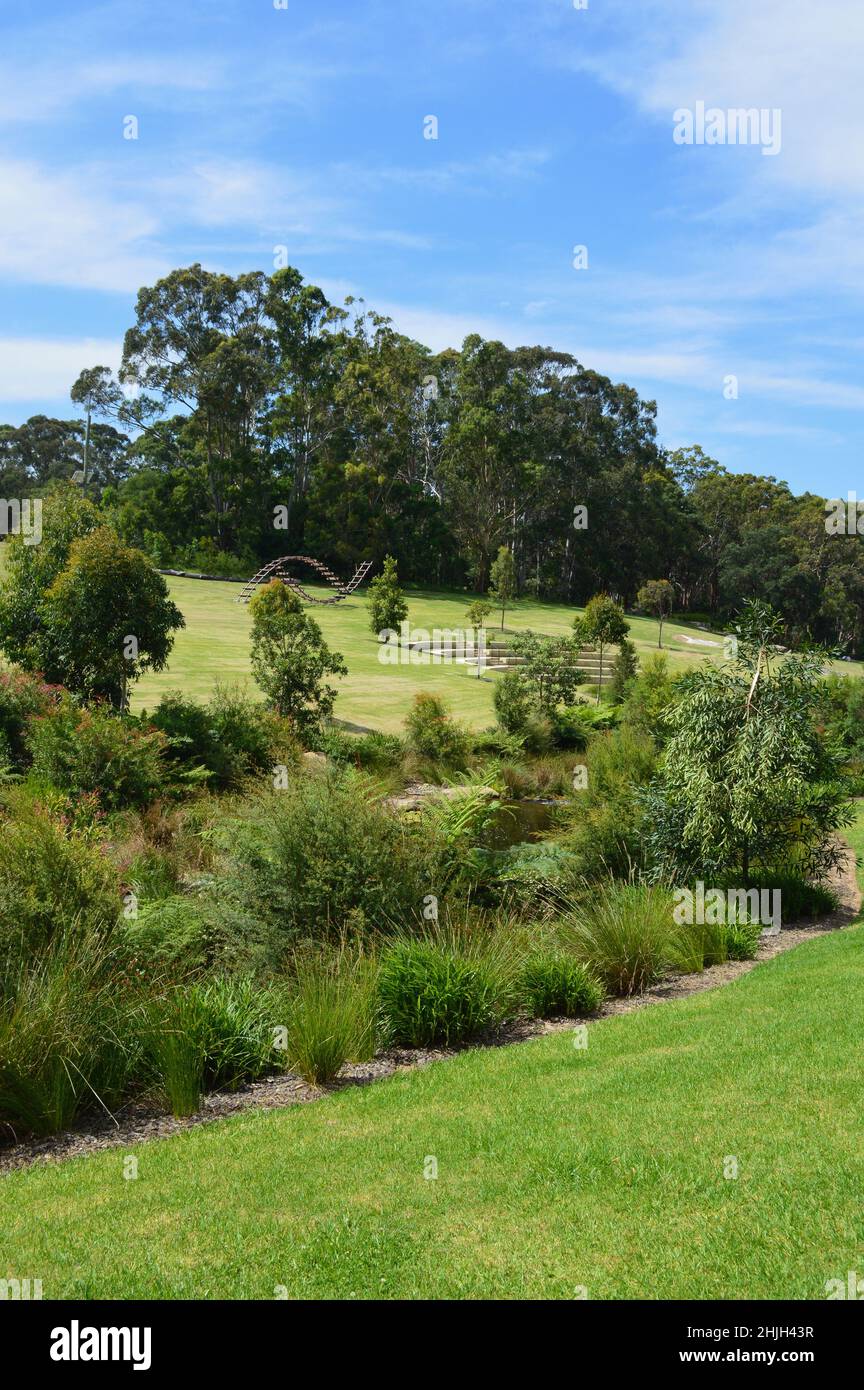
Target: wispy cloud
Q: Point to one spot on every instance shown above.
(95, 228)
(37, 91)
(478, 175)
(802, 57)
(36, 369)
(63, 229)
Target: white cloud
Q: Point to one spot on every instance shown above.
(805, 58)
(473, 175)
(62, 229)
(806, 390)
(39, 369)
(37, 92)
(98, 228)
(440, 329)
(772, 429)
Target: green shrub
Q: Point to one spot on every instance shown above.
(92, 750)
(254, 736)
(204, 557)
(513, 702)
(573, 725)
(453, 828)
(553, 983)
(171, 935)
(499, 743)
(526, 873)
(230, 738)
(189, 734)
(66, 1040)
(51, 880)
(606, 830)
(332, 1016)
(152, 874)
(841, 716)
(799, 896)
(22, 698)
(651, 696)
(375, 751)
(212, 1035)
(304, 861)
(625, 669)
(624, 935)
(440, 993)
(433, 733)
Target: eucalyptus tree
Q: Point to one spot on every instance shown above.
(367, 498)
(100, 395)
(657, 597)
(301, 414)
(202, 344)
(485, 454)
(748, 783)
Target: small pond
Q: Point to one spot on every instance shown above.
(521, 821)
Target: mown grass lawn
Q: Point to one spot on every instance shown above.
(215, 646)
(557, 1169)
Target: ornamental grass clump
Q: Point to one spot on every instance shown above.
(624, 934)
(332, 1015)
(67, 1034)
(448, 987)
(553, 983)
(211, 1035)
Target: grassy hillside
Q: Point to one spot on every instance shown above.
(215, 646)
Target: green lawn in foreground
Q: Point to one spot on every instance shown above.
(215, 646)
(557, 1168)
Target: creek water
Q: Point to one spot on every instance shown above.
(521, 821)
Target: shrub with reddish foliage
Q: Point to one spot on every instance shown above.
(22, 697)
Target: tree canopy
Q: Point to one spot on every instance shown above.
(252, 393)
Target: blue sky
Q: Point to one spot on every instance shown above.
(304, 127)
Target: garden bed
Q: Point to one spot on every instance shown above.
(139, 1122)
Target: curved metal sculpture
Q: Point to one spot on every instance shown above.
(275, 570)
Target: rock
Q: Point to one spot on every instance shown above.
(316, 760)
(418, 793)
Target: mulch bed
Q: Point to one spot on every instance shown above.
(140, 1121)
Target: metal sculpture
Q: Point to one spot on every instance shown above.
(276, 570)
